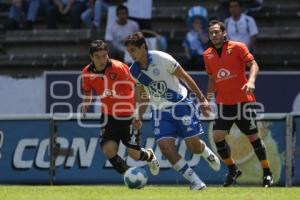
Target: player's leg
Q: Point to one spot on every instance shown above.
(198, 147)
(189, 129)
(131, 139)
(109, 144)
(165, 132)
(222, 125)
(248, 125)
(168, 149)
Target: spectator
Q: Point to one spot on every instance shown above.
(141, 12)
(91, 17)
(57, 8)
(241, 27)
(250, 6)
(194, 45)
(30, 7)
(118, 31)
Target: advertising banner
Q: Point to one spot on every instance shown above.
(297, 152)
(24, 151)
(24, 154)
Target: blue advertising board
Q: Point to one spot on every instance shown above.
(297, 152)
(25, 149)
(24, 152)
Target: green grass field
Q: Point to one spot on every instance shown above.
(148, 193)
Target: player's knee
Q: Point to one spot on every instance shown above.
(167, 150)
(109, 150)
(109, 153)
(219, 135)
(196, 146)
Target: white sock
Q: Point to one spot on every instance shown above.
(184, 169)
(205, 153)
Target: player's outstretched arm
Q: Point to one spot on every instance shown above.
(141, 103)
(181, 74)
(211, 88)
(249, 87)
(86, 102)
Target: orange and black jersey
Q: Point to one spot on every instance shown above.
(228, 69)
(114, 85)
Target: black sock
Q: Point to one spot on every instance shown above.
(119, 164)
(260, 151)
(145, 155)
(225, 153)
(223, 149)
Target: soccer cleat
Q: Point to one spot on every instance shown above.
(197, 186)
(213, 160)
(268, 180)
(231, 177)
(153, 164)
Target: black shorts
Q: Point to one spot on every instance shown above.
(119, 130)
(242, 114)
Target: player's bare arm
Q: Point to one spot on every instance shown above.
(249, 87)
(86, 101)
(181, 74)
(211, 88)
(141, 102)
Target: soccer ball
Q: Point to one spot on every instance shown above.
(135, 178)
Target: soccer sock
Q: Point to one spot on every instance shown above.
(188, 173)
(260, 151)
(205, 152)
(225, 153)
(145, 155)
(119, 164)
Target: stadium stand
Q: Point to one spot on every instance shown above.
(277, 45)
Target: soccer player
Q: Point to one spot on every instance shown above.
(226, 62)
(158, 75)
(112, 81)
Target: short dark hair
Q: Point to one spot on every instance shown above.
(97, 45)
(136, 39)
(121, 7)
(214, 22)
(236, 1)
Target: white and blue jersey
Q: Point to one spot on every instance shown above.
(173, 113)
(158, 80)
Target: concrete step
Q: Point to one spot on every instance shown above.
(266, 60)
(28, 36)
(60, 62)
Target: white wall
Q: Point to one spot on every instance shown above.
(22, 96)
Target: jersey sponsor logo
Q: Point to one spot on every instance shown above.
(158, 88)
(224, 74)
(84, 151)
